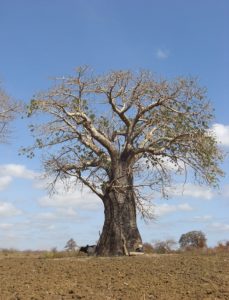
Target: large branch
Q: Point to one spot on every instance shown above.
(82, 118)
(133, 133)
(166, 141)
(119, 112)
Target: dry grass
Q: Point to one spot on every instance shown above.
(14, 253)
(222, 247)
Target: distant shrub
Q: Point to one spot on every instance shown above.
(163, 247)
(193, 240)
(148, 248)
(222, 247)
(8, 251)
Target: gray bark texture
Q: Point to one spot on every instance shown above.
(120, 234)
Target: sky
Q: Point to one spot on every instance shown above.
(44, 39)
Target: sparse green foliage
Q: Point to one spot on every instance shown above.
(116, 135)
(193, 240)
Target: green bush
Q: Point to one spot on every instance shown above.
(193, 240)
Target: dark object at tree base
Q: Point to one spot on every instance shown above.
(89, 250)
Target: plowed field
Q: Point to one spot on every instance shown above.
(165, 277)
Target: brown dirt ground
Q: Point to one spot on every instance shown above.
(165, 277)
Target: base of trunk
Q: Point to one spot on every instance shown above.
(120, 234)
(113, 243)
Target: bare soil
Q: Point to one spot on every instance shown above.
(165, 277)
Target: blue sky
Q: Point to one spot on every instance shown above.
(43, 39)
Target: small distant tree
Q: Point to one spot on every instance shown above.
(164, 246)
(8, 110)
(54, 250)
(193, 239)
(222, 246)
(71, 245)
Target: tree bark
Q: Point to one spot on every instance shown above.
(120, 234)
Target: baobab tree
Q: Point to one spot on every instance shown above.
(8, 109)
(118, 134)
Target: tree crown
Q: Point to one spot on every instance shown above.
(193, 239)
(94, 122)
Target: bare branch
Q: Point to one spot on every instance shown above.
(101, 128)
(8, 110)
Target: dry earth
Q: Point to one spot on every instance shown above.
(165, 277)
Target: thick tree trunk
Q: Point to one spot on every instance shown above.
(120, 234)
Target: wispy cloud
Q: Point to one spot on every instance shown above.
(162, 53)
(57, 214)
(165, 208)
(225, 191)
(10, 171)
(6, 226)
(4, 182)
(78, 198)
(17, 170)
(205, 218)
(222, 133)
(220, 226)
(191, 190)
(8, 210)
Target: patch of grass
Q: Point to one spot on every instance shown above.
(53, 253)
(8, 252)
(61, 254)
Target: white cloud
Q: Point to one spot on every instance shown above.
(191, 190)
(165, 208)
(184, 207)
(82, 199)
(51, 227)
(10, 171)
(8, 210)
(204, 218)
(16, 170)
(222, 133)
(4, 182)
(59, 213)
(220, 226)
(162, 54)
(225, 191)
(66, 212)
(46, 216)
(6, 226)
